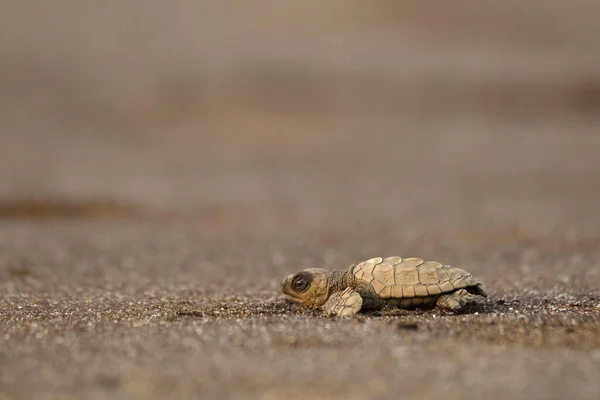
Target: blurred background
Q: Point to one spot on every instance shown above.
(164, 164)
(304, 114)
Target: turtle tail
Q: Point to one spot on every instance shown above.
(476, 290)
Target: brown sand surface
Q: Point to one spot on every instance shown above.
(166, 164)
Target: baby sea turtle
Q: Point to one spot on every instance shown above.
(370, 285)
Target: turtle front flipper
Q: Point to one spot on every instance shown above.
(343, 304)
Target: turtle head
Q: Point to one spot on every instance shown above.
(307, 287)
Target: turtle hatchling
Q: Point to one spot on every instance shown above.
(372, 284)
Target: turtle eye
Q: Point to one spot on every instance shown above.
(300, 283)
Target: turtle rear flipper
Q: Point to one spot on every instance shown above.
(343, 304)
(455, 301)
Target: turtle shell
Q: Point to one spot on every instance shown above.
(412, 279)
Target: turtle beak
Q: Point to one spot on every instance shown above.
(283, 282)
